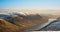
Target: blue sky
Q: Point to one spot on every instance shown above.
(29, 4)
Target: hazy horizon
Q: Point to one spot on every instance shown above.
(32, 6)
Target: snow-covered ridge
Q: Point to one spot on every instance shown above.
(12, 12)
(9, 15)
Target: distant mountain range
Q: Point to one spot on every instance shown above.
(19, 21)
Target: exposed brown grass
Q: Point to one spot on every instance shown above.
(19, 24)
(5, 26)
(26, 23)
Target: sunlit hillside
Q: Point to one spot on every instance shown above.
(5, 26)
(20, 22)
